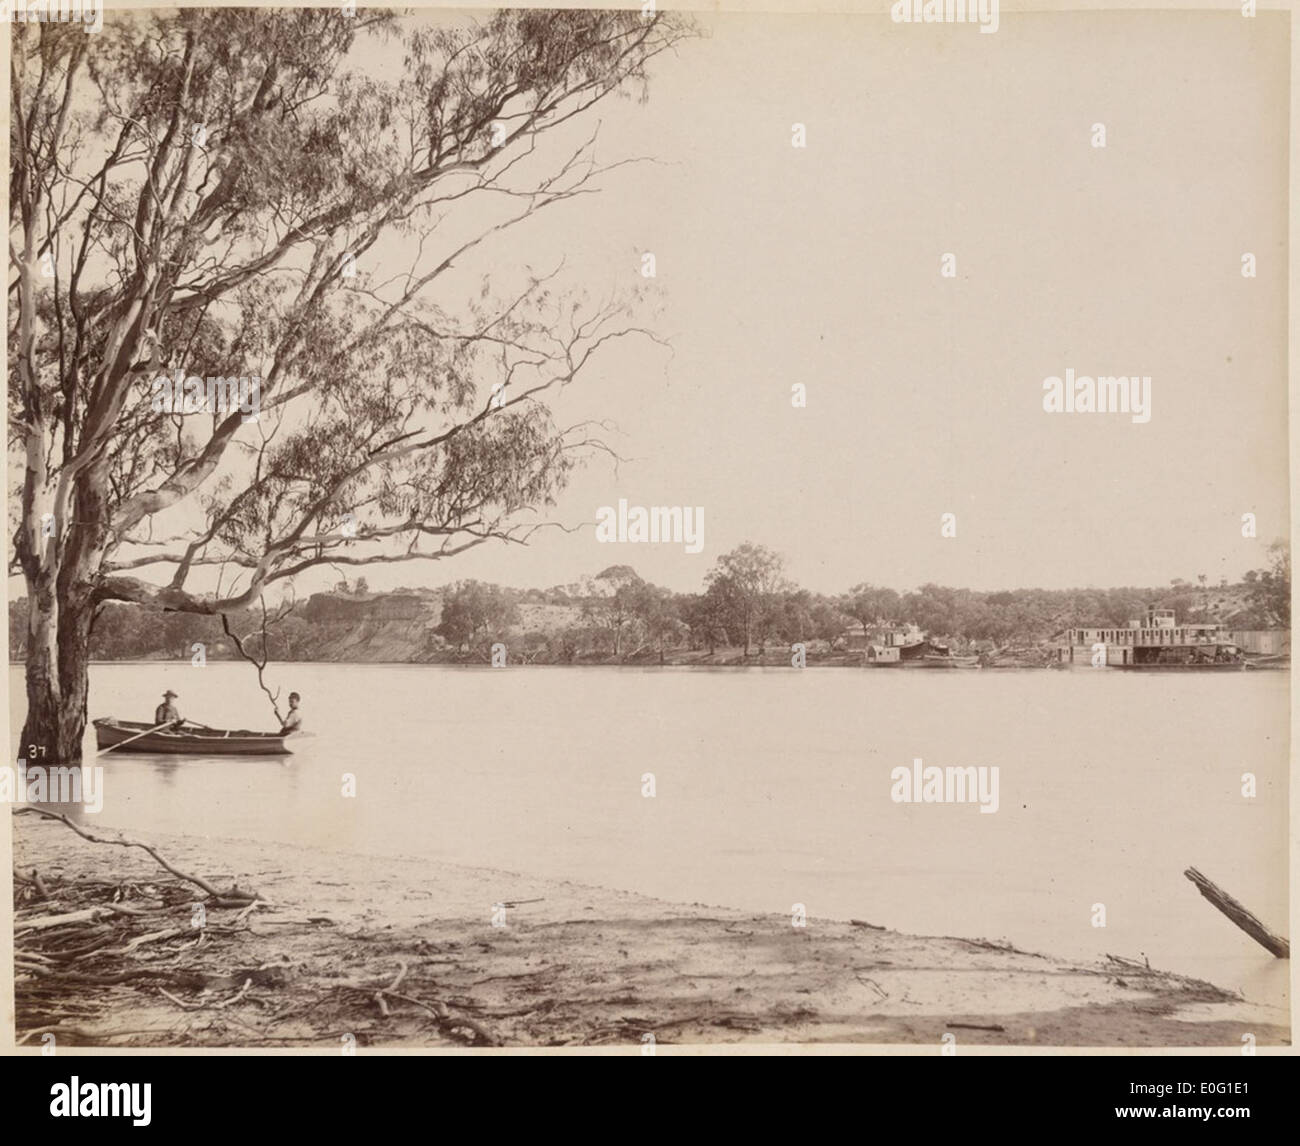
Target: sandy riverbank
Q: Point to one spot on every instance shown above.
(573, 965)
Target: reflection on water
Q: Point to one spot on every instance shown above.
(772, 788)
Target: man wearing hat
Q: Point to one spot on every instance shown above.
(167, 713)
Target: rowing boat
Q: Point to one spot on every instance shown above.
(189, 741)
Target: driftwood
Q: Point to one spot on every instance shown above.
(1273, 944)
(34, 881)
(78, 955)
(68, 950)
(151, 937)
(194, 879)
(90, 1038)
(446, 1019)
(89, 915)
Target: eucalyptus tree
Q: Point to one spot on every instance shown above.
(749, 578)
(217, 194)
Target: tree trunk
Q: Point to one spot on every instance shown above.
(58, 662)
(59, 569)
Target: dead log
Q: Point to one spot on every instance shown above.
(88, 915)
(152, 937)
(1273, 944)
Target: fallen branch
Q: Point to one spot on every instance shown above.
(397, 982)
(194, 879)
(873, 984)
(86, 950)
(135, 910)
(234, 998)
(89, 1036)
(181, 1002)
(1274, 944)
(152, 937)
(401, 974)
(446, 1019)
(42, 923)
(295, 920)
(19, 953)
(233, 898)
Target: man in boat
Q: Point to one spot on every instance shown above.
(167, 713)
(293, 719)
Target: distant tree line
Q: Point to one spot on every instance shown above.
(746, 603)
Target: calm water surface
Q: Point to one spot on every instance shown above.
(773, 788)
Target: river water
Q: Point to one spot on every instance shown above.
(772, 787)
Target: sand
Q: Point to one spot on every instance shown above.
(571, 965)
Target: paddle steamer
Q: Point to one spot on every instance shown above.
(1154, 641)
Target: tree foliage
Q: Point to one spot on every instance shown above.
(212, 192)
(472, 610)
(651, 618)
(1271, 586)
(750, 578)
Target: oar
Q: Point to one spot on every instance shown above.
(137, 736)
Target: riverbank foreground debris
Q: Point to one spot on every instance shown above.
(136, 951)
(77, 944)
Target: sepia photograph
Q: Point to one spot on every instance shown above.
(637, 530)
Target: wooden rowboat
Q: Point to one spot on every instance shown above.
(189, 741)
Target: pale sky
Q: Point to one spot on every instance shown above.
(777, 265)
